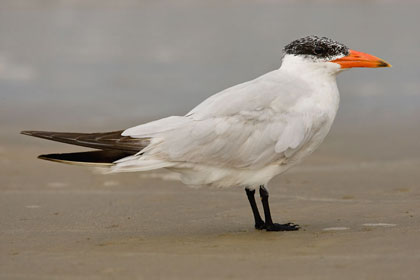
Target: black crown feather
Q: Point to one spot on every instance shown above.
(319, 47)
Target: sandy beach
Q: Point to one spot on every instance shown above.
(359, 218)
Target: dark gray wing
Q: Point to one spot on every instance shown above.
(104, 141)
(98, 157)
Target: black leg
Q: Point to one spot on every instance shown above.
(269, 225)
(259, 223)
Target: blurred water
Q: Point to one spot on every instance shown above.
(94, 65)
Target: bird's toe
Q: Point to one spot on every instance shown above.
(283, 227)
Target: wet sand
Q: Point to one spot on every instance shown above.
(358, 207)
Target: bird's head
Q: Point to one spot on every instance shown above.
(324, 53)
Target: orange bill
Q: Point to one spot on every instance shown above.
(359, 59)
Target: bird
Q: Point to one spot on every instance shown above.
(242, 136)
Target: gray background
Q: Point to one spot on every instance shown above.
(98, 65)
(104, 65)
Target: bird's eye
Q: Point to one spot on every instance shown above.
(318, 50)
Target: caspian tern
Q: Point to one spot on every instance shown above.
(242, 136)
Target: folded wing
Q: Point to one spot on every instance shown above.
(104, 141)
(112, 146)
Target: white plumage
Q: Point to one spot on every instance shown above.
(246, 134)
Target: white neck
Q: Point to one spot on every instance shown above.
(306, 67)
(319, 78)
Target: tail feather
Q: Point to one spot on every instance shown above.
(133, 164)
(95, 158)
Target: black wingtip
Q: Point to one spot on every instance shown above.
(50, 157)
(27, 132)
(91, 157)
(43, 157)
(37, 133)
(102, 140)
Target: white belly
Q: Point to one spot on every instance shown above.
(201, 174)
